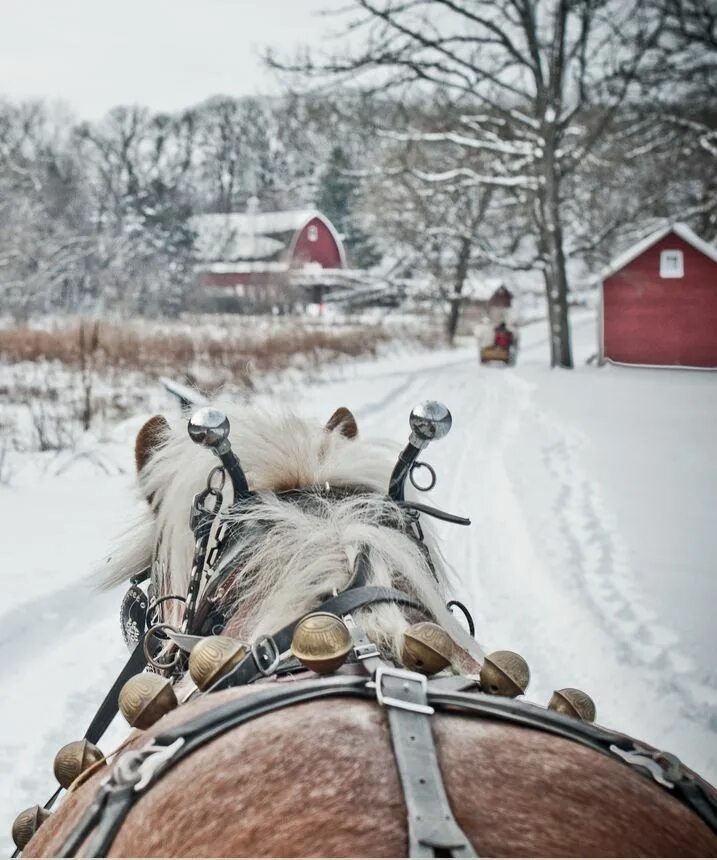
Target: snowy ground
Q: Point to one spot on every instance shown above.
(592, 496)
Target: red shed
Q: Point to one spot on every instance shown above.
(658, 302)
(262, 248)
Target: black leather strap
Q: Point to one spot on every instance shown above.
(270, 697)
(118, 803)
(437, 513)
(89, 819)
(107, 711)
(263, 658)
(109, 707)
(432, 828)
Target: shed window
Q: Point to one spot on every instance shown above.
(672, 264)
(313, 233)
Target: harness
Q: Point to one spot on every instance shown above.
(409, 698)
(410, 701)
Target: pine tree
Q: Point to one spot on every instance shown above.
(337, 199)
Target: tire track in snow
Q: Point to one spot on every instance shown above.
(547, 574)
(599, 560)
(546, 569)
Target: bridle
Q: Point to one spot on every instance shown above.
(410, 699)
(211, 575)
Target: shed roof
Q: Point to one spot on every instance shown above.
(680, 229)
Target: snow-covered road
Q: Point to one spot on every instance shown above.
(591, 551)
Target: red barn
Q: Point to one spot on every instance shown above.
(659, 302)
(262, 249)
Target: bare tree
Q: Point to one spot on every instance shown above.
(535, 85)
(436, 229)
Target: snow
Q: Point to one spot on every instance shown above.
(592, 495)
(245, 236)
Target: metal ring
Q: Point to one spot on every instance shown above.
(217, 470)
(155, 603)
(163, 667)
(466, 613)
(419, 464)
(216, 495)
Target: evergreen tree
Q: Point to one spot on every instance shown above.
(338, 200)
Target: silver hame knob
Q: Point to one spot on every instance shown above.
(209, 427)
(430, 420)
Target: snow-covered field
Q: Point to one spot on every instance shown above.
(592, 495)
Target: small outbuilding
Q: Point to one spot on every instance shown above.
(658, 302)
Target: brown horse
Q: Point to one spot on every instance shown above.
(323, 775)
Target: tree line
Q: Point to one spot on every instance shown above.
(460, 138)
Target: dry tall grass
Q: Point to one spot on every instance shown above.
(124, 348)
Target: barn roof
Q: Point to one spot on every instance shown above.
(680, 229)
(247, 236)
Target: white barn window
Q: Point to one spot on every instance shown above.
(672, 264)
(313, 233)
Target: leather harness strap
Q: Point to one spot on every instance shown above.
(432, 828)
(265, 653)
(109, 707)
(136, 770)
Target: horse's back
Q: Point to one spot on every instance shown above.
(319, 779)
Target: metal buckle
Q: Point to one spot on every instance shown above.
(651, 761)
(364, 652)
(158, 755)
(138, 767)
(407, 678)
(261, 656)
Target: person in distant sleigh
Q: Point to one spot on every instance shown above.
(503, 337)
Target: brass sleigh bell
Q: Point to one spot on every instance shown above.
(145, 698)
(573, 703)
(27, 823)
(73, 759)
(321, 641)
(504, 673)
(212, 657)
(427, 648)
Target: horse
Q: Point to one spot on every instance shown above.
(410, 746)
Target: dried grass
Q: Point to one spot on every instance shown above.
(117, 348)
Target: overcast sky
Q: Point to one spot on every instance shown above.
(166, 54)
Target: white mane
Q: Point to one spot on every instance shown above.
(289, 556)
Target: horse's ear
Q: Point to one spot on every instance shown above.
(149, 438)
(343, 421)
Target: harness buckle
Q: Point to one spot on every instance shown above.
(365, 652)
(158, 755)
(665, 768)
(408, 679)
(138, 767)
(266, 655)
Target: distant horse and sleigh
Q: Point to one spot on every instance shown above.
(299, 685)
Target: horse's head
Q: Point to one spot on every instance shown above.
(318, 495)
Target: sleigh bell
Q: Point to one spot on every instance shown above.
(427, 648)
(73, 759)
(145, 698)
(504, 673)
(321, 641)
(573, 703)
(212, 657)
(27, 823)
